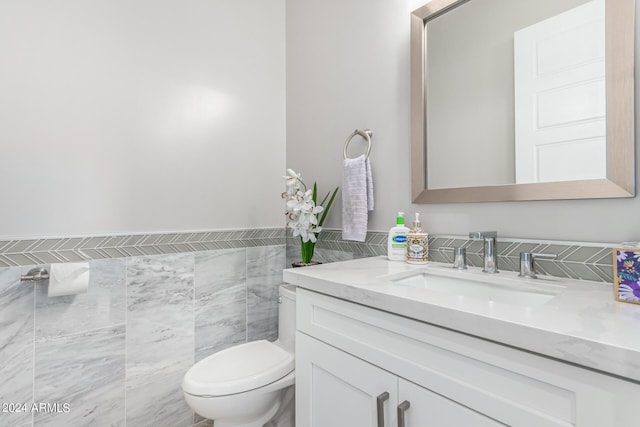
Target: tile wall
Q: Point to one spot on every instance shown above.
(116, 354)
(158, 303)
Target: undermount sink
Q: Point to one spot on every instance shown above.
(481, 286)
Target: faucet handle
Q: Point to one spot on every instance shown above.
(480, 235)
(527, 264)
(460, 258)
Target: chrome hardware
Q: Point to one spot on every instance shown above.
(35, 275)
(460, 258)
(527, 263)
(366, 134)
(490, 249)
(402, 408)
(380, 407)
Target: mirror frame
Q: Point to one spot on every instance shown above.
(619, 66)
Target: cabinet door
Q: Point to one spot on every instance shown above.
(428, 409)
(335, 389)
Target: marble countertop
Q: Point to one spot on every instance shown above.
(583, 324)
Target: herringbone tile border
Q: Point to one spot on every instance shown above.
(75, 249)
(573, 260)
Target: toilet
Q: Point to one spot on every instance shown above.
(251, 384)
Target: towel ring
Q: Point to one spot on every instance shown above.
(366, 134)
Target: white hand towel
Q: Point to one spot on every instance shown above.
(357, 198)
(369, 185)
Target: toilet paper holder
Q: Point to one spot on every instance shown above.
(35, 275)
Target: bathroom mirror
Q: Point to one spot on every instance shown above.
(522, 100)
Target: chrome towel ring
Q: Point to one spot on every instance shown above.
(366, 134)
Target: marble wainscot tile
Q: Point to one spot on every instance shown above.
(329, 255)
(220, 326)
(220, 276)
(264, 275)
(160, 338)
(160, 288)
(16, 344)
(103, 305)
(159, 403)
(85, 371)
(221, 299)
(293, 252)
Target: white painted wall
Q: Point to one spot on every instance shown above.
(146, 115)
(130, 116)
(348, 67)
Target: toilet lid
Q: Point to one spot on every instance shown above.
(237, 369)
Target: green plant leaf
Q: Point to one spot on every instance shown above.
(325, 199)
(326, 208)
(315, 194)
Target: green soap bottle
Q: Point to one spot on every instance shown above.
(397, 240)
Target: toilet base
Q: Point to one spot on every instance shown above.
(286, 415)
(258, 422)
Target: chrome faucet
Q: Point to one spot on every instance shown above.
(528, 266)
(490, 239)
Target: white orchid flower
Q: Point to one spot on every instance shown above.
(302, 214)
(292, 178)
(293, 205)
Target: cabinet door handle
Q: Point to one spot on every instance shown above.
(380, 407)
(402, 408)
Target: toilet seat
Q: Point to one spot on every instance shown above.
(238, 369)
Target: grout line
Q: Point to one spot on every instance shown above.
(33, 364)
(126, 334)
(193, 360)
(246, 295)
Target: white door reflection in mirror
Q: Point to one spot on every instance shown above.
(560, 95)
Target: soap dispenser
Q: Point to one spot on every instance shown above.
(417, 243)
(397, 240)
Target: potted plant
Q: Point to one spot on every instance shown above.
(305, 215)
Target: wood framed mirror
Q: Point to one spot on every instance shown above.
(448, 123)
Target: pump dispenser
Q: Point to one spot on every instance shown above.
(397, 240)
(417, 243)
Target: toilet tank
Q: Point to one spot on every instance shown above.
(287, 315)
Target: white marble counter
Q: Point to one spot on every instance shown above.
(583, 324)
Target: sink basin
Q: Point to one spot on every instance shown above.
(492, 288)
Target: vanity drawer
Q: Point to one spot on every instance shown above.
(513, 386)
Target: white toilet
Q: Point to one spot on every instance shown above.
(247, 385)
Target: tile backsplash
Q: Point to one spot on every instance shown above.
(582, 261)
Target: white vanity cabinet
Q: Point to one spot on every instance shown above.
(341, 390)
(347, 391)
(354, 363)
